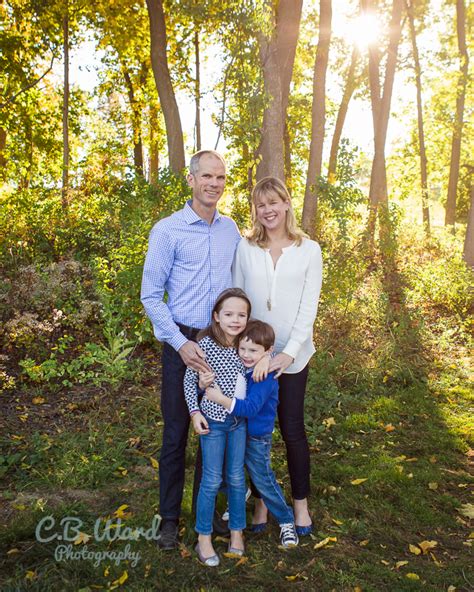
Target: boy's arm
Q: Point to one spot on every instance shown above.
(257, 396)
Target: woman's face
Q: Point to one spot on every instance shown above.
(271, 210)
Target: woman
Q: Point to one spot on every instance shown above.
(280, 269)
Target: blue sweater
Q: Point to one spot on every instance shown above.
(260, 405)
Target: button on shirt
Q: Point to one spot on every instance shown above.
(191, 261)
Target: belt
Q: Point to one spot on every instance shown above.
(189, 332)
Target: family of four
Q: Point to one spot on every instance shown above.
(237, 333)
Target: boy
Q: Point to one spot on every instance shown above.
(260, 406)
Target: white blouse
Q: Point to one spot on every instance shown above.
(285, 296)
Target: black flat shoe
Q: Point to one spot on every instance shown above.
(219, 526)
(168, 537)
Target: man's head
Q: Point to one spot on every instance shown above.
(255, 341)
(207, 171)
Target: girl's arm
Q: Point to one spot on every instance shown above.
(190, 384)
(214, 393)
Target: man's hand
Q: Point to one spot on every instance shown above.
(206, 379)
(280, 363)
(261, 369)
(200, 424)
(193, 356)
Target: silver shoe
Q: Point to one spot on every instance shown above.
(234, 551)
(212, 561)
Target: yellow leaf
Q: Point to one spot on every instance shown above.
(433, 485)
(400, 458)
(82, 537)
(221, 539)
(357, 589)
(338, 522)
(358, 481)
(330, 421)
(184, 552)
(413, 459)
(400, 564)
(13, 551)
(451, 588)
(123, 578)
(241, 561)
(471, 536)
(385, 562)
(425, 546)
(413, 576)
(20, 507)
(410, 475)
(30, 575)
(364, 543)
(154, 462)
(433, 460)
(390, 428)
(467, 510)
(38, 400)
(106, 571)
(414, 549)
(120, 511)
(292, 578)
(325, 542)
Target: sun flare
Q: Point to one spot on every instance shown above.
(364, 30)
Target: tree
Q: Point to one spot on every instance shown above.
(159, 62)
(469, 240)
(381, 100)
(318, 119)
(65, 176)
(450, 217)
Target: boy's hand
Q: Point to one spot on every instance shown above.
(206, 379)
(200, 424)
(214, 393)
(261, 369)
(280, 363)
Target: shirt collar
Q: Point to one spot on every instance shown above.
(190, 216)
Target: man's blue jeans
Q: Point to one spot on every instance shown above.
(258, 463)
(225, 440)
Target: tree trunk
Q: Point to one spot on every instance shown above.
(450, 218)
(159, 63)
(419, 106)
(318, 119)
(3, 144)
(136, 124)
(381, 112)
(197, 90)
(65, 178)
(351, 84)
(469, 241)
(154, 152)
(277, 55)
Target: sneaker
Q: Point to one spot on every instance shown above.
(168, 537)
(225, 515)
(288, 536)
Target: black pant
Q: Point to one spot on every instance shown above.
(291, 393)
(175, 431)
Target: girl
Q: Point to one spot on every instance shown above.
(222, 436)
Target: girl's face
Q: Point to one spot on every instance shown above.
(271, 210)
(232, 317)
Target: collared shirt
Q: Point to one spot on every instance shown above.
(191, 261)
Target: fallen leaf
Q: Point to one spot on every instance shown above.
(38, 400)
(338, 522)
(358, 481)
(357, 589)
(106, 571)
(385, 562)
(241, 561)
(425, 546)
(328, 422)
(451, 588)
(20, 507)
(412, 576)
(390, 428)
(154, 462)
(221, 539)
(400, 564)
(184, 552)
(414, 549)
(433, 485)
(467, 510)
(120, 511)
(122, 579)
(364, 543)
(433, 460)
(13, 551)
(30, 575)
(81, 537)
(413, 459)
(292, 578)
(325, 542)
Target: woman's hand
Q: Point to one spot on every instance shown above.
(206, 379)
(261, 369)
(280, 363)
(200, 424)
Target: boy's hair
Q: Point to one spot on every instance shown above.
(260, 333)
(213, 330)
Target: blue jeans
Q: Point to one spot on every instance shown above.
(257, 461)
(225, 440)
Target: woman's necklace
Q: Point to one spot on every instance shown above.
(269, 286)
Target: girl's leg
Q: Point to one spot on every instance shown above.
(213, 449)
(291, 419)
(235, 477)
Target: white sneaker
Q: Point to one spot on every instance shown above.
(288, 536)
(225, 515)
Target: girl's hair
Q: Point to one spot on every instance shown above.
(258, 234)
(214, 330)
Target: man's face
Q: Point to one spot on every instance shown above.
(208, 182)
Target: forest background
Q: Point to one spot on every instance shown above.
(365, 109)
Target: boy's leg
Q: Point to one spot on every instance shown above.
(257, 461)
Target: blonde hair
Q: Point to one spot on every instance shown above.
(258, 233)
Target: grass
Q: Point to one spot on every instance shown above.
(390, 427)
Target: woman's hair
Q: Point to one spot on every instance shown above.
(214, 330)
(258, 234)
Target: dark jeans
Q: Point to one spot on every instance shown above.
(292, 389)
(175, 431)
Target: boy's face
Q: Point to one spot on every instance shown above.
(251, 352)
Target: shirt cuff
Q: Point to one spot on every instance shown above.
(232, 405)
(178, 341)
(292, 348)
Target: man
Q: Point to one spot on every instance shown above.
(189, 257)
